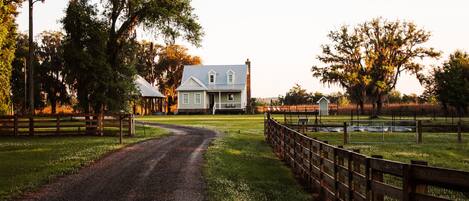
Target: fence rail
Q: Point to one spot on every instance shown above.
(334, 173)
(61, 124)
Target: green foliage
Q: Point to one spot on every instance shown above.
(450, 82)
(101, 53)
(8, 12)
(147, 59)
(368, 60)
(18, 74)
(170, 66)
(51, 69)
(297, 96)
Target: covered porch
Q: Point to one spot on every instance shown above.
(225, 102)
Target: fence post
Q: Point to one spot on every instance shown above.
(131, 125)
(120, 128)
(377, 176)
(419, 131)
(423, 189)
(57, 124)
(31, 125)
(459, 132)
(310, 169)
(321, 172)
(345, 134)
(15, 125)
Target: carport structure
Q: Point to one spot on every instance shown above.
(150, 99)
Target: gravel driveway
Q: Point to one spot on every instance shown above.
(164, 169)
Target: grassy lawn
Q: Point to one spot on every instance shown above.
(240, 165)
(27, 162)
(438, 149)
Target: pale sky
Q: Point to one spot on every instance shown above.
(282, 38)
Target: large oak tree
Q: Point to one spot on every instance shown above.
(111, 70)
(368, 60)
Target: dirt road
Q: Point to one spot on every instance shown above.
(165, 169)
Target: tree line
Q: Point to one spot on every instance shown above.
(93, 63)
(368, 59)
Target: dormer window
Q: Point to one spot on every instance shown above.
(230, 76)
(212, 77)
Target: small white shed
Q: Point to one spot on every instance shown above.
(323, 106)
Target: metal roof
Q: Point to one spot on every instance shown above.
(145, 88)
(201, 73)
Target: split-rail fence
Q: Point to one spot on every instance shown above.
(335, 173)
(67, 124)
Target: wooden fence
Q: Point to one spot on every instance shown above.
(334, 173)
(66, 124)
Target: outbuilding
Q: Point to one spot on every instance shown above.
(150, 100)
(323, 106)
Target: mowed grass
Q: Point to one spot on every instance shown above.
(438, 149)
(240, 165)
(28, 162)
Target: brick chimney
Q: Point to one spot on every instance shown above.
(248, 87)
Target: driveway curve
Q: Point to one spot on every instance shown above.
(164, 169)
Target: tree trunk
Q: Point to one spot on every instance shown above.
(170, 102)
(53, 105)
(361, 104)
(379, 106)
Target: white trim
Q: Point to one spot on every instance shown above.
(322, 99)
(195, 80)
(200, 98)
(184, 95)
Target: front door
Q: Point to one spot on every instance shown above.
(211, 100)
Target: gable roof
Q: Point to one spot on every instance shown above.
(192, 83)
(145, 88)
(323, 98)
(201, 72)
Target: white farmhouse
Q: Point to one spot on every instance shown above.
(214, 89)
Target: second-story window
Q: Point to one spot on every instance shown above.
(212, 77)
(230, 77)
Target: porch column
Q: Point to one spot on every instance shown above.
(219, 100)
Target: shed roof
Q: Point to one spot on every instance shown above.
(323, 99)
(145, 88)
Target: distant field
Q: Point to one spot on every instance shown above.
(27, 162)
(240, 165)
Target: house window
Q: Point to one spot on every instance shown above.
(212, 77)
(185, 98)
(198, 98)
(230, 97)
(230, 77)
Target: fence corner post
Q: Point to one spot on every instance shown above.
(459, 132)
